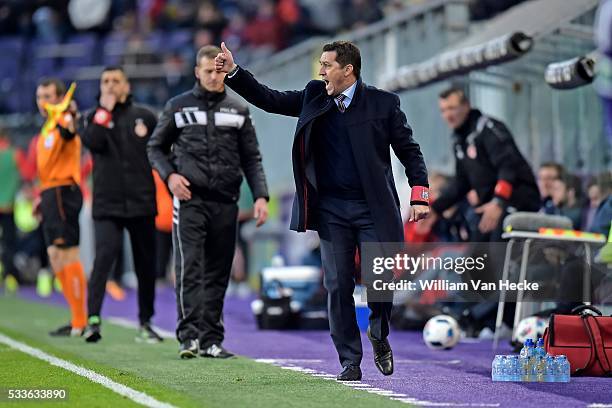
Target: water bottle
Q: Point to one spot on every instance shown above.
(526, 361)
(525, 350)
(496, 368)
(524, 368)
(539, 350)
(549, 369)
(506, 365)
(563, 368)
(515, 368)
(540, 368)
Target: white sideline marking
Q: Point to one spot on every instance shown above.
(286, 360)
(393, 395)
(450, 362)
(598, 405)
(289, 364)
(122, 322)
(136, 396)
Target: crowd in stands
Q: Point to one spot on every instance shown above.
(586, 202)
(60, 37)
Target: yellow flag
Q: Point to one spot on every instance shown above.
(54, 112)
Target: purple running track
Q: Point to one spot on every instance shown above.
(457, 377)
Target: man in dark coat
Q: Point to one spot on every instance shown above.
(117, 132)
(344, 181)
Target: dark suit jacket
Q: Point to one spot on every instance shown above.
(375, 123)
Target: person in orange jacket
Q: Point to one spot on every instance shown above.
(58, 163)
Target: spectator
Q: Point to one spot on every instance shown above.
(235, 32)
(209, 17)
(359, 13)
(547, 174)
(565, 192)
(595, 197)
(264, 30)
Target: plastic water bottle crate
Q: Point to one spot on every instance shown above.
(532, 365)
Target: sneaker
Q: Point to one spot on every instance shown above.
(189, 349)
(92, 331)
(216, 351)
(66, 331)
(146, 334)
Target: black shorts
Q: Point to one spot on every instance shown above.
(60, 207)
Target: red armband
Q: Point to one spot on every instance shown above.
(102, 117)
(503, 189)
(419, 195)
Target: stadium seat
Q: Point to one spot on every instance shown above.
(9, 72)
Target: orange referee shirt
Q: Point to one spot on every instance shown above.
(58, 160)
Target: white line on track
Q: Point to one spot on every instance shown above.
(291, 364)
(438, 362)
(136, 396)
(127, 323)
(358, 385)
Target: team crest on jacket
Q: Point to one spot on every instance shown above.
(471, 151)
(140, 129)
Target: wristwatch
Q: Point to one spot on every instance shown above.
(233, 72)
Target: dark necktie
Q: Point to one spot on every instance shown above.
(340, 99)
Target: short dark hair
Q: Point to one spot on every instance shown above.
(346, 53)
(60, 87)
(119, 68)
(208, 51)
(454, 90)
(554, 165)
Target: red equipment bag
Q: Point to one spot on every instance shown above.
(585, 338)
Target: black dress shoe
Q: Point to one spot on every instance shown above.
(350, 373)
(383, 356)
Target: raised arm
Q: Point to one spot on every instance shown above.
(287, 103)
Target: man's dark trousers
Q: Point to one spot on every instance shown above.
(204, 234)
(344, 225)
(109, 244)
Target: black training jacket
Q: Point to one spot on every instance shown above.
(208, 138)
(485, 153)
(123, 183)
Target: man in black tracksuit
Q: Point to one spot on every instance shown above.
(487, 161)
(203, 144)
(117, 132)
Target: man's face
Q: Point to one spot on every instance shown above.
(336, 77)
(454, 110)
(44, 95)
(208, 77)
(559, 193)
(115, 83)
(595, 195)
(546, 180)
